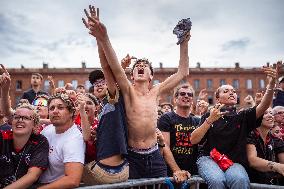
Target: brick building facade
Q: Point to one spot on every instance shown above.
(245, 80)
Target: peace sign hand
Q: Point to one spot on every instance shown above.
(215, 113)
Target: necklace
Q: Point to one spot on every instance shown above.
(16, 172)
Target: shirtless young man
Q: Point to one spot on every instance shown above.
(141, 102)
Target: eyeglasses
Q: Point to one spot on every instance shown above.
(38, 102)
(279, 113)
(24, 118)
(184, 93)
(99, 82)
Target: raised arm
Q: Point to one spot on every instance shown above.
(109, 77)
(5, 82)
(98, 30)
(85, 125)
(199, 133)
(183, 69)
(267, 98)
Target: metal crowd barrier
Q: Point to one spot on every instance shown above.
(157, 183)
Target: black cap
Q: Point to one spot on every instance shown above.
(96, 75)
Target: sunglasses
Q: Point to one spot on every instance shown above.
(38, 102)
(184, 93)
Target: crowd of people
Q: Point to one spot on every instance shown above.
(119, 130)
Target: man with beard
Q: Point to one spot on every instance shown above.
(145, 160)
(66, 145)
(36, 81)
(177, 127)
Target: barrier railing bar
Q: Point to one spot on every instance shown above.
(159, 181)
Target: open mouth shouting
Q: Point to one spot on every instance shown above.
(140, 71)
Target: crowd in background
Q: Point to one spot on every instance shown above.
(119, 130)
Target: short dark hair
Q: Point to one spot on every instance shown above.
(142, 60)
(183, 86)
(96, 75)
(38, 74)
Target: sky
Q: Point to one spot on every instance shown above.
(223, 32)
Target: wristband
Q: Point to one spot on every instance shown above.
(208, 122)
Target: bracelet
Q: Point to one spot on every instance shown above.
(269, 89)
(208, 122)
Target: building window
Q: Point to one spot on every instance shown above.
(236, 84)
(74, 84)
(156, 81)
(87, 84)
(46, 85)
(210, 100)
(209, 84)
(222, 82)
(18, 85)
(17, 99)
(249, 84)
(196, 84)
(61, 83)
(261, 84)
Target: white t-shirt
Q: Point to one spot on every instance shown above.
(63, 148)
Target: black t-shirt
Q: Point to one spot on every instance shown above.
(13, 164)
(180, 129)
(31, 94)
(5, 127)
(279, 99)
(112, 130)
(228, 135)
(266, 150)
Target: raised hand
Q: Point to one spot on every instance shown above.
(258, 97)
(187, 38)
(126, 61)
(96, 28)
(215, 113)
(202, 106)
(5, 79)
(271, 73)
(51, 84)
(81, 101)
(203, 94)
